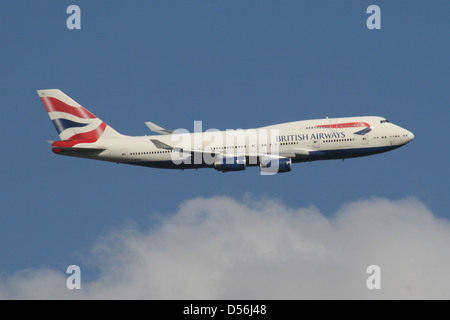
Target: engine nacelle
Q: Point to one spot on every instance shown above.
(275, 165)
(231, 164)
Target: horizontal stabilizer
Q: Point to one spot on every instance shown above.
(74, 148)
(155, 128)
(79, 149)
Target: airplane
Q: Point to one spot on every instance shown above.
(273, 148)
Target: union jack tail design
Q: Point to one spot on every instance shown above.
(73, 122)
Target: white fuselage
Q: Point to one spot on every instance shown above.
(308, 140)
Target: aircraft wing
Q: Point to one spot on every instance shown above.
(162, 145)
(155, 128)
(293, 153)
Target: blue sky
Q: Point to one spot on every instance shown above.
(230, 64)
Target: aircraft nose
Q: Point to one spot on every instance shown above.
(409, 135)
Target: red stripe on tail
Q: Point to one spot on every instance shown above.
(91, 135)
(53, 104)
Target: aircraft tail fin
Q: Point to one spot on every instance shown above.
(71, 120)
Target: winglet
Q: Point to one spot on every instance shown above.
(155, 128)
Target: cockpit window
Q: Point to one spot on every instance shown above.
(384, 121)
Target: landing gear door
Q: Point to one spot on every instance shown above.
(316, 144)
(365, 140)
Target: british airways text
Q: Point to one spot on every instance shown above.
(307, 136)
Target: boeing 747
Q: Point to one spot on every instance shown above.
(273, 148)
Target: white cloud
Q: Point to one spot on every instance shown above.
(221, 248)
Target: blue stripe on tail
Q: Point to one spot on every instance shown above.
(63, 124)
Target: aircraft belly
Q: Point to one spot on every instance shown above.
(344, 153)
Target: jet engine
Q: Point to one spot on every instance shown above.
(274, 165)
(231, 164)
